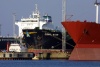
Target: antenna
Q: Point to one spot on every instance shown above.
(36, 8)
(97, 10)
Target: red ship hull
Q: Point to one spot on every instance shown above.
(86, 35)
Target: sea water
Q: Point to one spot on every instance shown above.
(48, 63)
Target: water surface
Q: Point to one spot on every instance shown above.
(48, 63)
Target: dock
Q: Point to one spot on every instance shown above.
(16, 55)
(50, 54)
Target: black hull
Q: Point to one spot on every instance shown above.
(45, 39)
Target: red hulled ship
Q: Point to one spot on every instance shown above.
(86, 36)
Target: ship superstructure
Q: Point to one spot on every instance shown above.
(32, 22)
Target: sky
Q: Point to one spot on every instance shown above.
(80, 9)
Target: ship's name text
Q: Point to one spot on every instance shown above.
(49, 34)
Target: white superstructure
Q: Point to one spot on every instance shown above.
(32, 22)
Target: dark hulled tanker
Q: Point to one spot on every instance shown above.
(45, 39)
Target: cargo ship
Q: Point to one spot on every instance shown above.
(39, 32)
(86, 36)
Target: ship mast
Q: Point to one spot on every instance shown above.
(37, 12)
(97, 11)
(63, 29)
